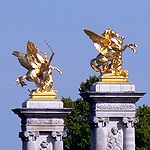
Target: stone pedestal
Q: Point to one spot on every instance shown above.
(42, 122)
(112, 114)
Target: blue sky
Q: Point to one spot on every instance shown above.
(61, 24)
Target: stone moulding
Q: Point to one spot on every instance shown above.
(42, 113)
(111, 97)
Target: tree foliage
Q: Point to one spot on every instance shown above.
(85, 86)
(142, 129)
(77, 127)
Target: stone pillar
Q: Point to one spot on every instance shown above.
(98, 139)
(58, 140)
(28, 140)
(112, 109)
(129, 133)
(42, 123)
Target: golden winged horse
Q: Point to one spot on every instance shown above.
(38, 66)
(110, 47)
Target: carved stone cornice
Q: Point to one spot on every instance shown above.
(115, 106)
(96, 121)
(58, 135)
(42, 113)
(109, 97)
(28, 135)
(130, 121)
(44, 121)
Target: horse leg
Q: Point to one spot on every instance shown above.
(132, 46)
(33, 75)
(20, 80)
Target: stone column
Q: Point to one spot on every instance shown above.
(28, 140)
(58, 140)
(98, 133)
(129, 133)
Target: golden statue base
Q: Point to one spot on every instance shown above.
(112, 84)
(43, 96)
(113, 79)
(43, 100)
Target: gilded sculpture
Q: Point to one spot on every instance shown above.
(110, 47)
(39, 68)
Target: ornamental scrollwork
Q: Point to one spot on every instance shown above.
(28, 135)
(58, 135)
(96, 120)
(130, 120)
(45, 121)
(116, 106)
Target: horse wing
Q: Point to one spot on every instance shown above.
(96, 38)
(22, 59)
(31, 48)
(33, 54)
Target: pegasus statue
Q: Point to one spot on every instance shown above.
(110, 47)
(39, 68)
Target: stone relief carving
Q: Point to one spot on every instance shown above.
(114, 139)
(96, 120)
(44, 145)
(130, 120)
(47, 121)
(116, 106)
(28, 135)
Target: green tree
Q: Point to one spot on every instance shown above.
(77, 127)
(78, 130)
(85, 86)
(142, 129)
